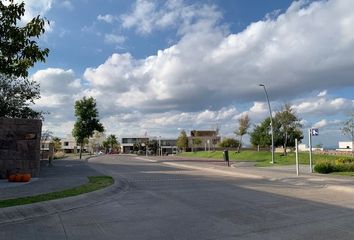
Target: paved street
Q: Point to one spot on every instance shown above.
(159, 201)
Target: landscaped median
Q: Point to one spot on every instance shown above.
(95, 183)
(323, 163)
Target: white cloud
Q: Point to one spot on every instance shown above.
(322, 94)
(108, 18)
(324, 106)
(327, 123)
(147, 16)
(114, 39)
(207, 68)
(34, 8)
(188, 84)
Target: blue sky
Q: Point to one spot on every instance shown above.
(162, 66)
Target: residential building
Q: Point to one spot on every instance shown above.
(207, 139)
(127, 143)
(345, 146)
(68, 144)
(168, 146)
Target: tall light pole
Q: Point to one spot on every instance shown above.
(271, 120)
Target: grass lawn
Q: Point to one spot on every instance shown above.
(95, 183)
(351, 174)
(261, 158)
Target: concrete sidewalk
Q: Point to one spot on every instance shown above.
(285, 174)
(62, 175)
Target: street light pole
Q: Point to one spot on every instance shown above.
(271, 120)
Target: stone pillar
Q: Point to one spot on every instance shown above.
(20, 146)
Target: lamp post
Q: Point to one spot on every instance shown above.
(271, 120)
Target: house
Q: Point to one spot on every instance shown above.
(304, 148)
(168, 146)
(345, 146)
(127, 143)
(203, 139)
(68, 144)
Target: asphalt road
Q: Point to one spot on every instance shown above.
(164, 202)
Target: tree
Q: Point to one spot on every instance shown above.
(87, 120)
(260, 136)
(182, 140)
(18, 48)
(229, 143)
(111, 141)
(348, 129)
(153, 146)
(57, 144)
(196, 142)
(16, 95)
(244, 123)
(288, 127)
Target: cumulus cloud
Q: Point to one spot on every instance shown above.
(327, 123)
(207, 67)
(324, 106)
(33, 8)
(59, 90)
(146, 16)
(189, 83)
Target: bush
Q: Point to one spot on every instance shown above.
(340, 165)
(229, 143)
(324, 167)
(59, 155)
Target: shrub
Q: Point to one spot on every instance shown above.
(340, 165)
(229, 143)
(59, 155)
(344, 160)
(324, 167)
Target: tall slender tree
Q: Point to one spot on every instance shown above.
(348, 129)
(289, 126)
(87, 120)
(244, 124)
(182, 140)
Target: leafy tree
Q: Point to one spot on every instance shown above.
(288, 127)
(153, 146)
(348, 129)
(182, 140)
(57, 143)
(16, 95)
(243, 125)
(196, 142)
(87, 120)
(18, 48)
(229, 143)
(111, 142)
(260, 136)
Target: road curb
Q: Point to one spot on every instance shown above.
(45, 208)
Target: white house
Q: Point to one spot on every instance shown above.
(345, 146)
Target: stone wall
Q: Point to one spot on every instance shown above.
(20, 146)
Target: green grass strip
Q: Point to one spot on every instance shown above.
(263, 158)
(95, 183)
(351, 174)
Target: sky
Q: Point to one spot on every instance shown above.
(157, 67)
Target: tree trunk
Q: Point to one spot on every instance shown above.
(81, 144)
(285, 143)
(239, 145)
